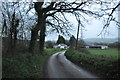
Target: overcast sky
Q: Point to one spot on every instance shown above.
(92, 31)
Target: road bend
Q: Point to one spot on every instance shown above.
(58, 66)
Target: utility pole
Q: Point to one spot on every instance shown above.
(77, 34)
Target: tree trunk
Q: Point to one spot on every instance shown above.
(10, 44)
(15, 32)
(40, 26)
(77, 35)
(34, 34)
(42, 34)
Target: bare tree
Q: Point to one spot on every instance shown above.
(54, 15)
(49, 13)
(14, 22)
(11, 23)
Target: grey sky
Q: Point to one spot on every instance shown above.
(92, 30)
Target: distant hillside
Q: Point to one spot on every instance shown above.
(101, 40)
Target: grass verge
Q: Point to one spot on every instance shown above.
(103, 65)
(25, 65)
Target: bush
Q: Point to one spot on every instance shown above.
(49, 44)
(23, 66)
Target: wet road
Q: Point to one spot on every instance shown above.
(58, 66)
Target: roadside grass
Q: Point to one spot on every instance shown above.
(23, 65)
(51, 51)
(98, 61)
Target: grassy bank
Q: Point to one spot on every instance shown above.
(102, 62)
(23, 65)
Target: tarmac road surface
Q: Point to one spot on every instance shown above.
(58, 66)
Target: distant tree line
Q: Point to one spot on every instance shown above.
(61, 40)
(111, 45)
(72, 43)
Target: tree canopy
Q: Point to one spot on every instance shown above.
(37, 19)
(60, 40)
(72, 42)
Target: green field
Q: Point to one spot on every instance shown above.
(107, 52)
(102, 62)
(110, 52)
